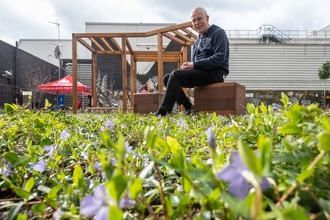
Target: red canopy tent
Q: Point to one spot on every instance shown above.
(64, 86)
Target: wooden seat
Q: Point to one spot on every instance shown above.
(145, 103)
(226, 98)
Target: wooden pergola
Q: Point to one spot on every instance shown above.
(106, 43)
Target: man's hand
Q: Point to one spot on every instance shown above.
(187, 65)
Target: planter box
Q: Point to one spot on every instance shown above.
(226, 98)
(145, 103)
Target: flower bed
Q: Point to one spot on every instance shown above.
(128, 166)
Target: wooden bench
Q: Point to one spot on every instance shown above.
(145, 103)
(227, 98)
(94, 109)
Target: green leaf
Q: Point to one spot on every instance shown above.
(290, 129)
(250, 108)
(115, 213)
(147, 171)
(325, 204)
(14, 211)
(39, 122)
(53, 192)
(265, 148)
(29, 184)
(10, 108)
(249, 159)
(11, 157)
(117, 185)
(284, 99)
(236, 205)
(323, 139)
(22, 193)
(23, 161)
(78, 176)
(135, 188)
(304, 175)
(38, 208)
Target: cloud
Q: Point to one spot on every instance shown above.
(21, 19)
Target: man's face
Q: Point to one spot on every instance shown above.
(200, 22)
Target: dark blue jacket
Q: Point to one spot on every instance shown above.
(211, 50)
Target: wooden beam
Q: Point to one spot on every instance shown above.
(160, 62)
(97, 44)
(133, 79)
(94, 76)
(108, 35)
(74, 75)
(190, 33)
(129, 46)
(185, 37)
(107, 44)
(124, 73)
(167, 29)
(175, 39)
(152, 56)
(84, 43)
(117, 45)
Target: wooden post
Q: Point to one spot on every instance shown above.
(94, 76)
(124, 72)
(74, 75)
(160, 62)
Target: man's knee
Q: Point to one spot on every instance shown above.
(165, 78)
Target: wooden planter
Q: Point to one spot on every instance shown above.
(145, 103)
(226, 98)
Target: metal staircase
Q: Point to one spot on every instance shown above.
(269, 33)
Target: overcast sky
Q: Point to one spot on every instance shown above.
(30, 19)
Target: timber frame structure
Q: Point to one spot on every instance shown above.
(106, 43)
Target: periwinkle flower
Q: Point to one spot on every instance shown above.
(109, 124)
(210, 137)
(102, 128)
(126, 202)
(57, 215)
(51, 149)
(234, 175)
(64, 135)
(97, 204)
(6, 170)
(40, 166)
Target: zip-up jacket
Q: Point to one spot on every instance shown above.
(211, 50)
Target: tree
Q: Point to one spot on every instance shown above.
(324, 74)
(33, 77)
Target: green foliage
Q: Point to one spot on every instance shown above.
(165, 164)
(324, 71)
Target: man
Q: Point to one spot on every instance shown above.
(210, 64)
(19, 97)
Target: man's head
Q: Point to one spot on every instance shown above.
(200, 20)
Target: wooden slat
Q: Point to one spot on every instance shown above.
(74, 75)
(124, 73)
(129, 46)
(190, 33)
(84, 43)
(116, 44)
(160, 62)
(97, 44)
(175, 39)
(107, 44)
(184, 36)
(167, 29)
(108, 35)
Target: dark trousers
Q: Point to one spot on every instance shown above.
(177, 79)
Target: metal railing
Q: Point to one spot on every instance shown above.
(284, 36)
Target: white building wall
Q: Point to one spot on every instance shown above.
(278, 66)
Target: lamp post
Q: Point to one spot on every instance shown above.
(57, 53)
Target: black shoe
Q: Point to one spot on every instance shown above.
(189, 111)
(160, 112)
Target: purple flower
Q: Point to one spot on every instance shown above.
(126, 202)
(128, 148)
(109, 124)
(102, 128)
(211, 137)
(40, 166)
(57, 215)
(6, 170)
(97, 166)
(97, 204)
(238, 186)
(64, 135)
(51, 149)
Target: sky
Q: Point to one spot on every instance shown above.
(35, 19)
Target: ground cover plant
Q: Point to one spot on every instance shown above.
(263, 165)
